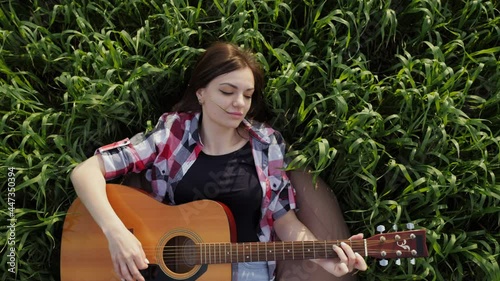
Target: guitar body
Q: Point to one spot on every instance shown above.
(159, 227)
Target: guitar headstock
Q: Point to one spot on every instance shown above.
(403, 244)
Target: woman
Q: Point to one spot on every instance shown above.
(209, 147)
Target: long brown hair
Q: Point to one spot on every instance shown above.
(218, 59)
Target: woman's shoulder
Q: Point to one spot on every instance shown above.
(176, 123)
(178, 119)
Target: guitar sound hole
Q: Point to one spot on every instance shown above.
(180, 254)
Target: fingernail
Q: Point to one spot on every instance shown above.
(343, 243)
(146, 260)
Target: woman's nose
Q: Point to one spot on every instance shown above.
(239, 100)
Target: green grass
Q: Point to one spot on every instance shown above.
(395, 104)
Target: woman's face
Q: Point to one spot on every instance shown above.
(225, 101)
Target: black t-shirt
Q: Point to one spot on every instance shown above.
(230, 179)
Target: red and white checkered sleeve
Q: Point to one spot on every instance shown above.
(132, 155)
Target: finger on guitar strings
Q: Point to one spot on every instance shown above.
(351, 257)
(342, 266)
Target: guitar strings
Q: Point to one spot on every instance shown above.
(213, 252)
(272, 245)
(195, 258)
(360, 243)
(258, 256)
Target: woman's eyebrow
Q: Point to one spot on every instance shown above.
(234, 86)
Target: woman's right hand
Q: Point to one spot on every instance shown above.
(127, 254)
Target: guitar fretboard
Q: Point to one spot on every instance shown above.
(210, 253)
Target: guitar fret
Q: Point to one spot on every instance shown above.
(258, 254)
(274, 244)
(251, 257)
(326, 254)
(287, 253)
(303, 251)
(310, 246)
(366, 248)
(283, 246)
(245, 255)
(266, 251)
(214, 252)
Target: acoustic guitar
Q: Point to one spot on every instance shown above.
(194, 241)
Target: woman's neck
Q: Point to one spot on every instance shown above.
(218, 141)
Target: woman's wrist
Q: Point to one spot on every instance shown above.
(112, 229)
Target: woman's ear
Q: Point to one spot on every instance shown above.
(199, 95)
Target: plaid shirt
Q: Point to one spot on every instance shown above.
(169, 150)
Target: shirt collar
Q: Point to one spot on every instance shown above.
(257, 130)
(194, 132)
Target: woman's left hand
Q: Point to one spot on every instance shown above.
(347, 259)
(289, 228)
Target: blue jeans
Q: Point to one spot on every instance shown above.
(250, 271)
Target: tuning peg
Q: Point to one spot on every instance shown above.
(398, 261)
(412, 261)
(383, 262)
(410, 226)
(381, 228)
(394, 227)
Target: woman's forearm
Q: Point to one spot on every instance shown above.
(290, 228)
(90, 186)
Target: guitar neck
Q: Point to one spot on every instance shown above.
(403, 244)
(210, 253)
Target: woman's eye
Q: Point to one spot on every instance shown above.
(225, 93)
(248, 97)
